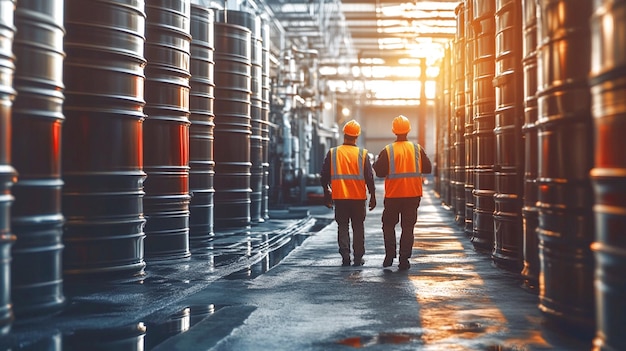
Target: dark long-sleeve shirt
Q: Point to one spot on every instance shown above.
(368, 173)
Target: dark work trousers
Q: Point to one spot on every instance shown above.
(350, 212)
(403, 210)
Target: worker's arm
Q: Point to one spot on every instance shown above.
(369, 181)
(325, 181)
(427, 166)
(381, 165)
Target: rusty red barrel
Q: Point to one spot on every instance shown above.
(166, 129)
(608, 90)
(102, 163)
(468, 130)
(508, 81)
(36, 215)
(7, 172)
(530, 220)
(565, 140)
(484, 123)
(232, 125)
(201, 139)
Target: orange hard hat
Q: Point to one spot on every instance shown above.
(400, 125)
(352, 128)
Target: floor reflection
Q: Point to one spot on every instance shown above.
(136, 337)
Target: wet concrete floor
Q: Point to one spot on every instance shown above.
(281, 286)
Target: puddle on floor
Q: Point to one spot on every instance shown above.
(382, 338)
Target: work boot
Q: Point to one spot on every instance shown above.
(358, 261)
(388, 261)
(404, 264)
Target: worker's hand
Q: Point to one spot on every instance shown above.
(328, 201)
(328, 197)
(372, 203)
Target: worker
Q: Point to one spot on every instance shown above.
(402, 164)
(346, 175)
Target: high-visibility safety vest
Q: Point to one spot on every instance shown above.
(347, 178)
(405, 170)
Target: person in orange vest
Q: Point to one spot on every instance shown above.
(346, 175)
(402, 164)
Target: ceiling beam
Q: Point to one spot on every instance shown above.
(366, 16)
(372, 34)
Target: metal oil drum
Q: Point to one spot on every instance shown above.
(459, 115)
(253, 22)
(201, 139)
(232, 125)
(468, 131)
(508, 82)
(102, 163)
(266, 86)
(166, 129)
(483, 24)
(565, 196)
(608, 175)
(7, 172)
(530, 221)
(36, 216)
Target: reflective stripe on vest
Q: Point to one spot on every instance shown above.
(403, 180)
(348, 182)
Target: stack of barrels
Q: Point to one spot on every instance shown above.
(483, 24)
(530, 270)
(201, 138)
(37, 117)
(233, 126)
(266, 85)
(102, 142)
(565, 157)
(166, 129)
(459, 116)
(608, 91)
(7, 172)
(468, 130)
(509, 161)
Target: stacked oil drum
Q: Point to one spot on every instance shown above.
(608, 91)
(509, 160)
(233, 128)
(446, 161)
(530, 269)
(126, 92)
(256, 120)
(438, 175)
(468, 129)
(166, 129)
(7, 172)
(102, 161)
(266, 85)
(459, 116)
(37, 117)
(565, 158)
(558, 167)
(201, 139)
(483, 24)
